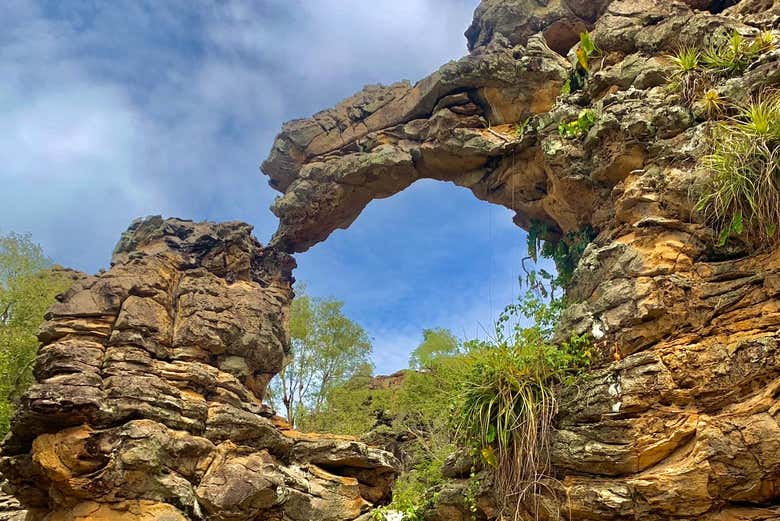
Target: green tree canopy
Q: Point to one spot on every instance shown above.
(436, 343)
(27, 289)
(327, 350)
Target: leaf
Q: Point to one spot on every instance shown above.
(489, 456)
(771, 229)
(582, 59)
(491, 434)
(566, 89)
(724, 236)
(736, 224)
(586, 43)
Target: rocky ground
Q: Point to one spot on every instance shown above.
(151, 375)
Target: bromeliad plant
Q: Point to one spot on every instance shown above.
(735, 55)
(741, 196)
(696, 70)
(686, 77)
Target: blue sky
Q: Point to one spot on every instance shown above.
(117, 109)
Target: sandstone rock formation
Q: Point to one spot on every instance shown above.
(149, 406)
(679, 417)
(151, 376)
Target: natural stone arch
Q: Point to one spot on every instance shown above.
(381, 140)
(678, 418)
(642, 429)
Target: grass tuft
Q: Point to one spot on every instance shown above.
(507, 402)
(687, 78)
(741, 197)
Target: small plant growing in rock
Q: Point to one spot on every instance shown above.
(586, 50)
(686, 78)
(735, 55)
(741, 196)
(712, 103)
(579, 75)
(522, 127)
(578, 127)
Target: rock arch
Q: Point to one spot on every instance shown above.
(657, 430)
(149, 380)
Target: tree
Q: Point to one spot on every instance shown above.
(436, 343)
(27, 289)
(327, 350)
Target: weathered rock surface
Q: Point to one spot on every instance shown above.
(151, 375)
(679, 417)
(148, 401)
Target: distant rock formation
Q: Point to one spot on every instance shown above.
(149, 406)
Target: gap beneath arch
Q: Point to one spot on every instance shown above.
(430, 256)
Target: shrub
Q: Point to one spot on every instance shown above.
(740, 196)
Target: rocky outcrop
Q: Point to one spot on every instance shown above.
(679, 417)
(150, 378)
(148, 401)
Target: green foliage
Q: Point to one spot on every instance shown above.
(687, 78)
(521, 128)
(415, 491)
(696, 69)
(471, 494)
(436, 344)
(506, 402)
(27, 289)
(586, 49)
(566, 251)
(327, 350)
(497, 396)
(351, 408)
(714, 105)
(741, 196)
(579, 74)
(578, 127)
(733, 56)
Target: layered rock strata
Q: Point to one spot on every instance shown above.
(148, 401)
(679, 417)
(151, 375)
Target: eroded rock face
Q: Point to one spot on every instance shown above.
(679, 417)
(148, 401)
(151, 376)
